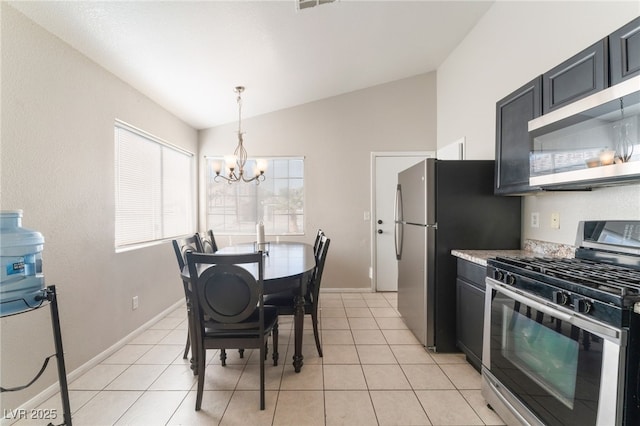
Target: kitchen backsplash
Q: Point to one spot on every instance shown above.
(549, 249)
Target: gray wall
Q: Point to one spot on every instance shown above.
(336, 136)
(58, 112)
(513, 43)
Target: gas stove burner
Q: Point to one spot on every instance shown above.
(613, 279)
(609, 278)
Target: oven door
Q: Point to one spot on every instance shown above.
(560, 367)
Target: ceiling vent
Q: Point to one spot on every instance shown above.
(306, 4)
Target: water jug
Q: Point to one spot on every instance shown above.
(21, 278)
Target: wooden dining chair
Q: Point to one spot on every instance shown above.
(285, 301)
(208, 242)
(233, 300)
(181, 247)
(316, 243)
(209, 245)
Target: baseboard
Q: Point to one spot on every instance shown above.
(50, 391)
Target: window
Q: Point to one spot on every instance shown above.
(278, 201)
(154, 188)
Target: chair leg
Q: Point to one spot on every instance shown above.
(316, 334)
(223, 357)
(241, 352)
(202, 354)
(275, 344)
(186, 348)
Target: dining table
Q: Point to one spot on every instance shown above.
(288, 266)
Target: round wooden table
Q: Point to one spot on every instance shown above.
(287, 266)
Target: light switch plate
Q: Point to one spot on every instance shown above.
(535, 220)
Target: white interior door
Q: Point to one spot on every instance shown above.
(387, 166)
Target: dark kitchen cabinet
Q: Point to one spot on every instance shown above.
(581, 75)
(513, 144)
(624, 52)
(470, 290)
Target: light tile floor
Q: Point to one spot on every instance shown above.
(374, 372)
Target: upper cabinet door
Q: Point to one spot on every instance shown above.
(624, 52)
(580, 76)
(513, 143)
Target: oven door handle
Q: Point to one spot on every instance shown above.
(556, 312)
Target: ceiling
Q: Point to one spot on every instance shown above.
(188, 56)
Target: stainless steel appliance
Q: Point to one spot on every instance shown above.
(594, 141)
(443, 205)
(562, 336)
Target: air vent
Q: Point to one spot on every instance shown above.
(306, 4)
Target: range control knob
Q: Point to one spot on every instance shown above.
(510, 279)
(583, 305)
(498, 275)
(561, 298)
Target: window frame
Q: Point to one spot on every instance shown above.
(209, 174)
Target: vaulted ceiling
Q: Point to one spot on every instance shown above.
(188, 56)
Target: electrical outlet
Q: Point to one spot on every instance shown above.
(535, 220)
(555, 220)
(134, 303)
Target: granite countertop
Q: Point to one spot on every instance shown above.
(480, 256)
(531, 248)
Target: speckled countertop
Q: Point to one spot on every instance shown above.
(530, 248)
(480, 256)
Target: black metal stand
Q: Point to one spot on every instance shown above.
(57, 336)
(51, 297)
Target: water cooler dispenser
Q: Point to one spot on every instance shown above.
(22, 289)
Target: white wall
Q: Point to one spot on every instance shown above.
(336, 136)
(58, 112)
(514, 42)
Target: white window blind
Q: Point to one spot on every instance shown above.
(234, 209)
(154, 189)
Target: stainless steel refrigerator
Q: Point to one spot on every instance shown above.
(443, 205)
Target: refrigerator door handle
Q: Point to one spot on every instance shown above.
(399, 226)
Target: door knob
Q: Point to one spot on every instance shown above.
(379, 231)
(379, 221)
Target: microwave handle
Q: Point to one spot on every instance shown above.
(555, 312)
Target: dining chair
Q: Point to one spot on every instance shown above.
(181, 247)
(233, 301)
(316, 243)
(209, 246)
(208, 242)
(285, 301)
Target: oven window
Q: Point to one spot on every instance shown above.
(547, 357)
(553, 367)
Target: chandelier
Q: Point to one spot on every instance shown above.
(235, 163)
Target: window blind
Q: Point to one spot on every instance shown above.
(154, 188)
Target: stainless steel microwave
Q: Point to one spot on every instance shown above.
(594, 141)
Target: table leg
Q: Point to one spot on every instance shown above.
(298, 329)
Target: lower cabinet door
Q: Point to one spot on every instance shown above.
(470, 321)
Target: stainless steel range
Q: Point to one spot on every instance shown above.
(562, 336)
